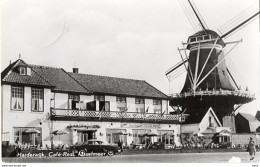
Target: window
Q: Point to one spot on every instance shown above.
(104, 106)
(99, 98)
(200, 38)
(211, 124)
(157, 102)
(22, 70)
(73, 100)
(157, 105)
(121, 99)
(121, 103)
(17, 98)
(21, 136)
(138, 135)
(139, 101)
(206, 37)
(37, 99)
(139, 105)
(193, 39)
(166, 136)
(112, 136)
(29, 71)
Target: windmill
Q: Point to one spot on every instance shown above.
(209, 82)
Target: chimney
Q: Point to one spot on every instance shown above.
(75, 70)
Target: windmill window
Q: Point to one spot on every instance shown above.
(206, 37)
(200, 38)
(193, 39)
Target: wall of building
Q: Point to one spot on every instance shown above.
(242, 124)
(189, 128)
(204, 124)
(229, 121)
(243, 138)
(25, 118)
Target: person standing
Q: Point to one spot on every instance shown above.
(251, 148)
(120, 145)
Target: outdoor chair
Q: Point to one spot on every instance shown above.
(47, 147)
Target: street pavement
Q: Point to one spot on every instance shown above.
(144, 158)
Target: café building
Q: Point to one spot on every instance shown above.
(39, 100)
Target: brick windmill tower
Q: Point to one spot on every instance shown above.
(209, 82)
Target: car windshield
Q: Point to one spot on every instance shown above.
(95, 142)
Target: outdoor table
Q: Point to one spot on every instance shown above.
(138, 146)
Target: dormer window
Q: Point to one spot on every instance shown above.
(22, 70)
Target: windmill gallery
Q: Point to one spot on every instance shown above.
(48, 111)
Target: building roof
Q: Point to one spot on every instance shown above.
(195, 116)
(257, 115)
(117, 86)
(11, 76)
(62, 81)
(58, 77)
(253, 122)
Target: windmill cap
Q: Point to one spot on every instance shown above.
(201, 33)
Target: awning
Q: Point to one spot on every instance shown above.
(84, 129)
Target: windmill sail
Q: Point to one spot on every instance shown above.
(239, 21)
(193, 15)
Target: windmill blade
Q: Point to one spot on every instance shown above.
(172, 76)
(235, 74)
(233, 80)
(175, 67)
(176, 71)
(193, 15)
(239, 21)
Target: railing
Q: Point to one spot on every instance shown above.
(214, 92)
(115, 115)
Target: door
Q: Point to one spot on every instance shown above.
(104, 106)
(82, 136)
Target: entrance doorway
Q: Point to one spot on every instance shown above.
(85, 136)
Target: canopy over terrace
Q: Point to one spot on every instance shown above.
(224, 136)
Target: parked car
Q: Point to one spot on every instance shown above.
(94, 147)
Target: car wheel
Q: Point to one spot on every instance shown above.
(110, 153)
(81, 153)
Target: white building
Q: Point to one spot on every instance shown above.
(86, 106)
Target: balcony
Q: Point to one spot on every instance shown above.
(238, 93)
(114, 116)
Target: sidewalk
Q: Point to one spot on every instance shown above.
(180, 151)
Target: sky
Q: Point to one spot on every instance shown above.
(135, 39)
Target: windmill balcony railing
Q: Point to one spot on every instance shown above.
(239, 93)
(63, 114)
